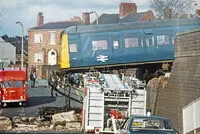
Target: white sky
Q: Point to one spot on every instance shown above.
(26, 11)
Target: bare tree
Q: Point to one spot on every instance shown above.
(178, 7)
(1, 15)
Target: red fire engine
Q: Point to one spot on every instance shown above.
(13, 88)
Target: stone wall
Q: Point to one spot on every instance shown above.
(184, 83)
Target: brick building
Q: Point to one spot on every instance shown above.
(127, 13)
(44, 44)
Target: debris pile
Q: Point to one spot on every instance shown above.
(69, 120)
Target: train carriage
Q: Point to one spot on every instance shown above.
(122, 44)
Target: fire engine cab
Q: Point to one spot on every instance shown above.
(13, 88)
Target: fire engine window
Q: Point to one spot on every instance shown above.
(7, 84)
(17, 84)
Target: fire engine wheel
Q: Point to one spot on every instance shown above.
(25, 104)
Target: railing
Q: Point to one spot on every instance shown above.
(191, 117)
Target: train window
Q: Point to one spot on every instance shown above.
(131, 42)
(99, 45)
(149, 39)
(116, 44)
(173, 38)
(163, 39)
(72, 48)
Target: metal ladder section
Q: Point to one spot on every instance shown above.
(138, 102)
(95, 116)
(113, 81)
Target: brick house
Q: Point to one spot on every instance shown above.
(127, 13)
(44, 44)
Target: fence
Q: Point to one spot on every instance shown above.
(191, 117)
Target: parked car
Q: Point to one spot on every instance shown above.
(147, 125)
(42, 83)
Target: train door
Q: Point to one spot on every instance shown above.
(133, 47)
(150, 46)
(74, 50)
(117, 48)
(164, 43)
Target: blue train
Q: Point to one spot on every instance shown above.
(122, 44)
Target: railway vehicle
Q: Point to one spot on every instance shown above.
(13, 88)
(122, 45)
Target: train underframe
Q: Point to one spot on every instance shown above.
(143, 71)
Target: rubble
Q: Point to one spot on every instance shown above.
(60, 121)
(5, 123)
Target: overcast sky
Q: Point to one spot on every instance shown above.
(26, 11)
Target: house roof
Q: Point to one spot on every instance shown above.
(114, 18)
(132, 17)
(1, 40)
(57, 25)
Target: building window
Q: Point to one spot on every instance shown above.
(38, 57)
(131, 42)
(38, 38)
(163, 39)
(99, 45)
(72, 47)
(52, 38)
(149, 40)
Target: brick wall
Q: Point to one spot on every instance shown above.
(149, 16)
(126, 8)
(43, 47)
(184, 83)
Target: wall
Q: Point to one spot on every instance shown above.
(184, 83)
(43, 47)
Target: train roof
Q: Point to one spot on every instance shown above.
(131, 25)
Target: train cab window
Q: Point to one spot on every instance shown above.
(149, 39)
(163, 40)
(131, 42)
(100, 45)
(72, 47)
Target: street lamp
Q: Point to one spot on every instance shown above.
(96, 16)
(22, 47)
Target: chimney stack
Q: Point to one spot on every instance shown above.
(86, 18)
(167, 13)
(198, 12)
(40, 19)
(127, 8)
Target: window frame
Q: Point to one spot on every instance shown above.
(40, 59)
(106, 47)
(50, 37)
(163, 40)
(130, 38)
(38, 37)
(152, 41)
